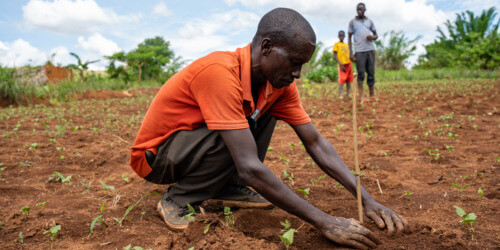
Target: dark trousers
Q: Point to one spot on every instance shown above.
(199, 163)
(365, 62)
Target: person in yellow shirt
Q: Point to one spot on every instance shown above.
(341, 55)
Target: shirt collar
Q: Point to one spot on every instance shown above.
(246, 72)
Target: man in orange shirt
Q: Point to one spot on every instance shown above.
(209, 127)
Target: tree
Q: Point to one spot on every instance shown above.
(148, 60)
(394, 49)
(470, 41)
(81, 67)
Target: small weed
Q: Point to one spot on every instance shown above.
(288, 178)
(460, 189)
(107, 187)
(97, 220)
(387, 154)
(120, 222)
(467, 219)
(476, 127)
(315, 181)
(86, 186)
(229, 216)
(125, 178)
(449, 148)
(190, 216)
(42, 205)
(56, 176)
(305, 192)
(452, 135)
(408, 195)
(287, 237)
(21, 237)
(433, 153)
(53, 234)
(25, 211)
(480, 192)
(142, 214)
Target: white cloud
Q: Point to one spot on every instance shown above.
(202, 36)
(69, 17)
(20, 53)
(161, 10)
(98, 45)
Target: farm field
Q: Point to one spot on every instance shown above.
(416, 141)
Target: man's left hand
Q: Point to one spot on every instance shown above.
(385, 218)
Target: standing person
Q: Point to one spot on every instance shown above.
(362, 28)
(208, 129)
(341, 54)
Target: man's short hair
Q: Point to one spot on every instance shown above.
(341, 32)
(284, 26)
(361, 4)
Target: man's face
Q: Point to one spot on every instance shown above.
(283, 64)
(361, 10)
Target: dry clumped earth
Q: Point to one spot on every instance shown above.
(89, 139)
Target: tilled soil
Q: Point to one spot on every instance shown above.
(89, 139)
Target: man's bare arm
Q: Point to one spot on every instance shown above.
(329, 161)
(243, 149)
(338, 61)
(351, 56)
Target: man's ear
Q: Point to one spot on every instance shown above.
(266, 46)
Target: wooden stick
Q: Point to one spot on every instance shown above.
(355, 132)
(379, 188)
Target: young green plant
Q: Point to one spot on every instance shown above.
(229, 216)
(467, 219)
(460, 189)
(53, 234)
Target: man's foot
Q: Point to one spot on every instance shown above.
(238, 196)
(373, 99)
(341, 97)
(172, 213)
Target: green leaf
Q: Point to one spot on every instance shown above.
(93, 223)
(470, 217)
(286, 224)
(191, 209)
(480, 192)
(455, 185)
(207, 227)
(460, 211)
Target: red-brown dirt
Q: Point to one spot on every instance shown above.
(89, 140)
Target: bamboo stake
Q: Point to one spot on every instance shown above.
(355, 132)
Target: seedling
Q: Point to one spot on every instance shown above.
(25, 211)
(190, 216)
(96, 220)
(42, 205)
(125, 178)
(107, 187)
(2, 169)
(53, 234)
(56, 176)
(142, 214)
(120, 222)
(467, 219)
(433, 153)
(229, 216)
(476, 127)
(449, 148)
(86, 186)
(460, 189)
(315, 181)
(408, 195)
(305, 192)
(387, 154)
(33, 146)
(288, 178)
(452, 136)
(339, 127)
(287, 237)
(21, 237)
(480, 192)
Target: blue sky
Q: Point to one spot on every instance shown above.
(34, 31)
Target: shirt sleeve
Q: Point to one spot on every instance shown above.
(335, 48)
(372, 26)
(351, 27)
(218, 93)
(289, 109)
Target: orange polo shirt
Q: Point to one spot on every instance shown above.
(214, 90)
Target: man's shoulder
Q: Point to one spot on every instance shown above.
(226, 59)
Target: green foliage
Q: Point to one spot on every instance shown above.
(470, 41)
(56, 176)
(80, 66)
(323, 74)
(305, 192)
(42, 204)
(106, 187)
(147, 61)
(229, 216)
(287, 237)
(460, 189)
(53, 234)
(394, 49)
(467, 219)
(315, 181)
(25, 210)
(480, 192)
(21, 237)
(125, 178)
(120, 222)
(191, 215)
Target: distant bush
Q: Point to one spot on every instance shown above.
(323, 74)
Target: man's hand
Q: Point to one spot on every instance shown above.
(370, 38)
(342, 68)
(384, 217)
(348, 232)
(353, 57)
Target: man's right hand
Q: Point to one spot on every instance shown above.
(353, 57)
(349, 232)
(342, 68)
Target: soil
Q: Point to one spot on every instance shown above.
(89, 140)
